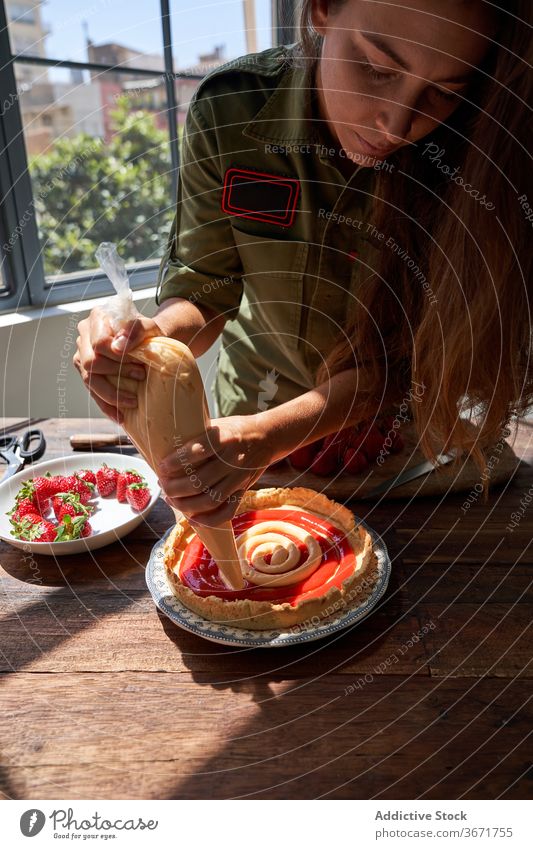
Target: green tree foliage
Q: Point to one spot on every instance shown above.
(87, 191)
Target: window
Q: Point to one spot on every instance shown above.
(92, 103)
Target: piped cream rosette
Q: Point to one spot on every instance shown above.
(268, 539)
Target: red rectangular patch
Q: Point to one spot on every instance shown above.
(259, 196)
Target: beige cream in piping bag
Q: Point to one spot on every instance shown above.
(171, 408)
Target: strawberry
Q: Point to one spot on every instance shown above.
(354, 461)
(369, 439)
(373, 442)
(397, 443)
(325, 462)
(301, 458)
(69, 503)
(123, 481)
(72, 483)
(106, 480)
(58, 483)
(22, 508)
(386, 425)
(329, 458)
(88, 476)
(72, 527)
(34, 528)
(37, 489)
(138, 495)
(86, 529)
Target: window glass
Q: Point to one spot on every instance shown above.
(218, 30)
(105, 31)
(99, 162)
(97, 142)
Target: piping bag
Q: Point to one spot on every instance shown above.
(171, 405)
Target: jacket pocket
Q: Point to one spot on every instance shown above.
(272, 287)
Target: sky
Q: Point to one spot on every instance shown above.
(196, 26)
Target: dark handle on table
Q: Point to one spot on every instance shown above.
(29, 451)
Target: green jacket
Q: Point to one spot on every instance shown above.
(267, 229)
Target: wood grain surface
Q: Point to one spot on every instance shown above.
(430, 697)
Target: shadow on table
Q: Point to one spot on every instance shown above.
(290, 686)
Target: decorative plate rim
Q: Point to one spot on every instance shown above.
(169, 604)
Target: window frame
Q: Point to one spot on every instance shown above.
(23, 264)
(284, 21)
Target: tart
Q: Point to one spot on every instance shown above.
(303, 557)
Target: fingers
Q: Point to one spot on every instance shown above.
(206, 498)
(94, 365)
(101, 354)
(98, 334)
(224, 513)
(94, 348)
(101, 389)
(212, 479)
(133, 333)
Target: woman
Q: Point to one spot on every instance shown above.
(352, 218)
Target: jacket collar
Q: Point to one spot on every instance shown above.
(287, 116)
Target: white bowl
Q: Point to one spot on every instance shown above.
(110, 521)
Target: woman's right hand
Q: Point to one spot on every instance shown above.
(101, 352)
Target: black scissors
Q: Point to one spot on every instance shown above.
(19, 450)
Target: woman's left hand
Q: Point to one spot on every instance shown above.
(206, 477)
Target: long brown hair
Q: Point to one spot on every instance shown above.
(464, 336)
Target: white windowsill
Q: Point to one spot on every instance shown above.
(29, 314)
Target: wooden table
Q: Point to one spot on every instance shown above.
(103, 698)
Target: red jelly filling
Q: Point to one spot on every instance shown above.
(200, 573)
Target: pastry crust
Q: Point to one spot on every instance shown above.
(261, 615)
